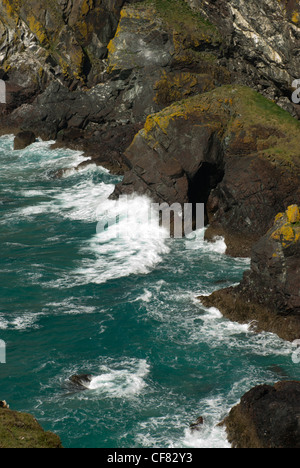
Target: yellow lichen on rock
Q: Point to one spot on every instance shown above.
(38, 30)
(288, 230)
(278, 217)
(293, 214)
(295, 17)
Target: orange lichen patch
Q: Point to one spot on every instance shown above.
(12, 8)
(86, 6)
(177, 86)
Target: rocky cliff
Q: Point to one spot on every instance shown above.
(229, 148)
(64, 40)
(190, 100)
(101, 67)
(269, 295)
(263, 42)
(159, 86)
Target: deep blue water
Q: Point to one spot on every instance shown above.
(121, 309)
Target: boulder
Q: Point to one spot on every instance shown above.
(267, 417)
(24, 139)
(81, 381)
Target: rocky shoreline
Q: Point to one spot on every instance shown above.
(268, 296)
(191, 102)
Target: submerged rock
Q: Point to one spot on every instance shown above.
(267, 417)
(197, 425)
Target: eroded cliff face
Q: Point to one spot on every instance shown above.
(154, 57)
(263, 42)
(56, 39)
(143, 87)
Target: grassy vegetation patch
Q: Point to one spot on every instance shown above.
(182, 19)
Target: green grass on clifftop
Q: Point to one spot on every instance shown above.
(252, 123)
(20, 430)
(183, 20)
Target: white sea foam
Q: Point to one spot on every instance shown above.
(218, 245)
(21, 323)
(70, 306)
(137, 249)
(80, 202)
(146, 297)
(126, 382)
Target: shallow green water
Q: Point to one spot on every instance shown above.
(122, 310)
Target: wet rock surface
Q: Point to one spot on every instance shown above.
(80, 381)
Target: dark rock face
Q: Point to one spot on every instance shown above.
(216, 149)
(65, 40)
(24, 139)
(275, 269)
(267, 417)
(269, 295)
(197, 425)
(152, 61)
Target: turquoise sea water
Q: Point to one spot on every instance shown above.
(123, 310)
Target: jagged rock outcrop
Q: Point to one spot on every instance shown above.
(269, 295)
(154, 58)
(46, 39)
(21, 430)
(263, 43)
(231, 149)
(267, 417)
